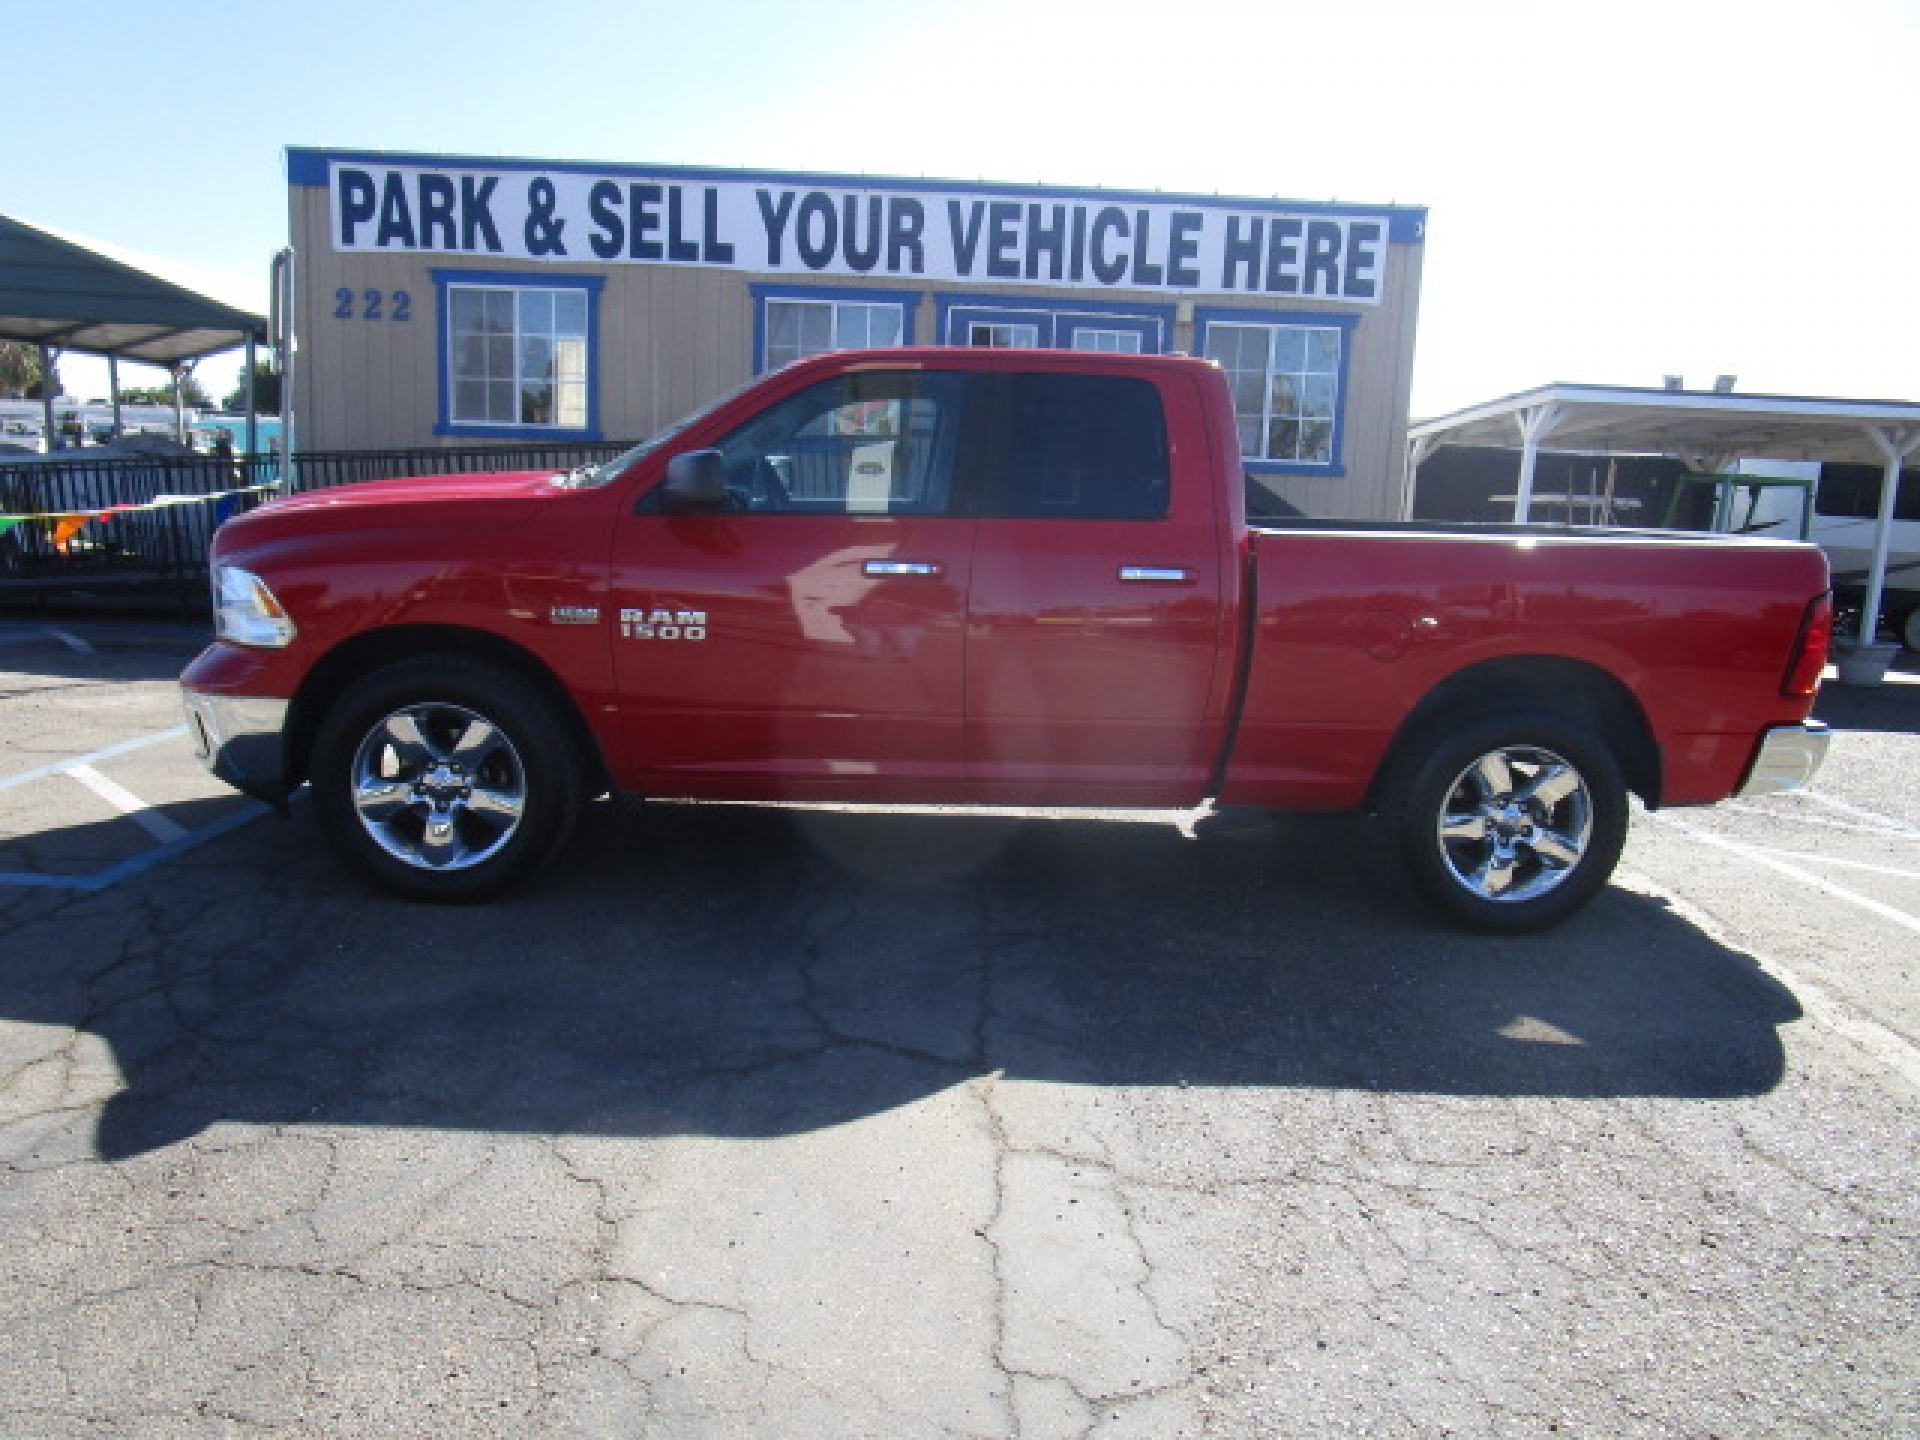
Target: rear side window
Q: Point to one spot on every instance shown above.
(1079, 447)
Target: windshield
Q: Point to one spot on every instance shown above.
(607, 471)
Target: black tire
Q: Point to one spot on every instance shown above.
(1508, 824)
(445, 777)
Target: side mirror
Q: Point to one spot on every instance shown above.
(696, 480)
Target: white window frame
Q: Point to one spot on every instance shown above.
(1107, 342)
(854, 320)
(1001, 335)
(1257, 429)
(568, 349)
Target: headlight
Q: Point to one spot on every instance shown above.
(246, 612)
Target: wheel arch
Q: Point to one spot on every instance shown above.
(1579, 691)
(366, 652)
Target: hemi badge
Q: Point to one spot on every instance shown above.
(574, 615)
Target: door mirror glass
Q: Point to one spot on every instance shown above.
(696, 480)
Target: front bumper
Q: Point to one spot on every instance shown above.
(242, 739)
(1787, 758)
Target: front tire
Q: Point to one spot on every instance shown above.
(1508, 824)
(445, 778)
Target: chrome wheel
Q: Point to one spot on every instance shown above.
(439, 787)
(1515, 824)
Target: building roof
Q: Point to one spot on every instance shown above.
(56, 293)
(1687, 423)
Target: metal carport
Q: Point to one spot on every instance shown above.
(62, 296)
(1709, 430)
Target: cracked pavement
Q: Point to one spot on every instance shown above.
(770, 1123)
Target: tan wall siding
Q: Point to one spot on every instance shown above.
(672, 338)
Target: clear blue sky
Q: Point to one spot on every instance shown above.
(1617, 191)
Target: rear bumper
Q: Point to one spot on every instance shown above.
(242, 739)
(1787, 758)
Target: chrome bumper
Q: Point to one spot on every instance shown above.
(242, 739)
(1787, 758)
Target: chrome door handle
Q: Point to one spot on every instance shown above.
(880, 569)
(1156, 574)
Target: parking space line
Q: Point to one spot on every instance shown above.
(173, 838)
(1865, 867)
(63, 767)
(128, 804)
(1793, 872)
(139, 864)
(1886, 822)
(1891, 1048)
(65, 637)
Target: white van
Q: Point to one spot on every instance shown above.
(1846, 508)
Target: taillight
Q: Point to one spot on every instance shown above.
(1810, 650)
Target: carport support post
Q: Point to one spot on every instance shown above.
(1896, 442)
(1417, 452)
(113, 389)
(253, 415)
(179, 372)
(1536, 423)
(47, 378)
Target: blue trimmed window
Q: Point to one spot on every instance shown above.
(1288, 377)
(1115, 329)
(518, 355)
(793, 322)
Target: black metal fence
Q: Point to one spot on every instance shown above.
(137, 531)
(324, 469)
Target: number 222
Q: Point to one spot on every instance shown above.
(373, 305)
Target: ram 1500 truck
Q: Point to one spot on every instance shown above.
(998, 577)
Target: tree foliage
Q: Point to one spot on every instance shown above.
(20, 370)
(266, 391)
(192, 393)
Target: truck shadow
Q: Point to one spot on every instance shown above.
(734, 971)
(1889, 708)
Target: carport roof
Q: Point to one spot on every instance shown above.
(1688, 423)
(56, 293)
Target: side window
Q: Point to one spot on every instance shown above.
(1082, 447)
(870, 443)
(1288, 382)
(1853, 491)
(517, 355)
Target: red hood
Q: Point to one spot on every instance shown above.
(451, 501)
(520, 485)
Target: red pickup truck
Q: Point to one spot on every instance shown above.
(996, 577)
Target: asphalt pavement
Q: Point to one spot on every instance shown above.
(759, 1122)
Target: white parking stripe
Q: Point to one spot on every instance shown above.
(128, 804)
(173, 839)
(1793, 872)
(1889, 1047)
(1892, 872)
(1900, 827)
(61, 767)
(65, 637)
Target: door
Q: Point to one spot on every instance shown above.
(1097, 615)
(807, 640)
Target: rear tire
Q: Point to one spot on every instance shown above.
(1508, 824)
(445, 777)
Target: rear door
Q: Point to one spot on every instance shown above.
(1097, 616)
